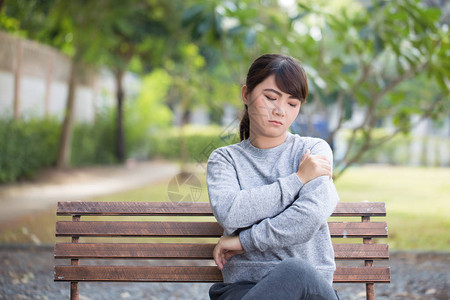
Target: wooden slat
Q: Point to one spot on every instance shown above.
(370, 209)
(362, 274)
(141, 229)
(191, 209)
(138, 274)
(191, 251)
(361, 251)
(358, 230)
(196, 229)
(193, 274)
(133, 209)
(137, 251)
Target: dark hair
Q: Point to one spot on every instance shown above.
(289, 77)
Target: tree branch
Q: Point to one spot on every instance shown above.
(340, 103)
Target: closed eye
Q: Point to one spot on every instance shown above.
(293, 105)
(268, 98)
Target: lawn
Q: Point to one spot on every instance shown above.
(417, 200)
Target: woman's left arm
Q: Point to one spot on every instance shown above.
(300, 221)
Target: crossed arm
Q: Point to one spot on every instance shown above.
(262, 225)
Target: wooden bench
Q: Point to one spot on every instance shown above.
(188, 249)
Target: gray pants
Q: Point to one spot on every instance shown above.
(291, 279)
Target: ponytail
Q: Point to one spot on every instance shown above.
(244, 126)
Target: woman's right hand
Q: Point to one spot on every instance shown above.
(313, 166)
(227, 247)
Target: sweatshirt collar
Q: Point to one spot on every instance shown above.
(247, 145)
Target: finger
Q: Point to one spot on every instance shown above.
(224, 261)
(218, 262)
(216, 257)
(305, 156)
(320, 158)
(327, 171)
(229, 254)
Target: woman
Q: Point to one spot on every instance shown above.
(273, 194)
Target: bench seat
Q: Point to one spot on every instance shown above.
(188, 235)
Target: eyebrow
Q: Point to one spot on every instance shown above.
(279, 94)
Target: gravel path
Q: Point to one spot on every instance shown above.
(27, 273)
(77, 184)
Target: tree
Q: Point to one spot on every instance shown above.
(355, 56)
(366, 58)
(132, 29)
(26, 19)
(95, 33)
(79, 20)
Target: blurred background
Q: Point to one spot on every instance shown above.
(108, 100)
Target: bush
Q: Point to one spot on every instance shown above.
(398, 150)
(94, 143)
(147, 113)
(26, 146)
(200, 142)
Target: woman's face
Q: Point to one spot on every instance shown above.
(270, 110)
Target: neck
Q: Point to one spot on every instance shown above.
(266, 142)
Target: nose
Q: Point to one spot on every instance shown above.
(279, 111)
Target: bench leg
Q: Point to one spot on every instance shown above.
(370, 291)
(74, 290)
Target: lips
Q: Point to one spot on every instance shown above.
(276, 122)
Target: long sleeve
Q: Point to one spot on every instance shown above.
(299, 222)
(235, 208)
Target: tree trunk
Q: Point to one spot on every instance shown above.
(48, 82)
(120, 140)
(2, 3)
(18, 79)
(184, 120)
(65, 140)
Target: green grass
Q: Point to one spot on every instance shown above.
(417, 201)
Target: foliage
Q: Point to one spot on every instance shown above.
(29, 145)
(388, 59)
(240, 30)
(94, 143)
(398, 150)
(26, 146)
(187, 78)
(147, 113)
(356, 56)
(200, 142)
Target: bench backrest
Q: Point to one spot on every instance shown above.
(192, 239)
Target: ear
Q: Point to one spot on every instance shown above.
(244, 94)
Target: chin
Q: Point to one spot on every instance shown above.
(272, 133)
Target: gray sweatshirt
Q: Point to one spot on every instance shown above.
(256, 194)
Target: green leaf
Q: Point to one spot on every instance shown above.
(378, 45)
(304, 7)
(218, 31)
(236, 30)
(192, 13)
(349, 68)
(299, 16)
(365, 32)
(250, 37)
(204, 25)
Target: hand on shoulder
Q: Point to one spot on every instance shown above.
(313, 166)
